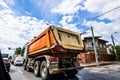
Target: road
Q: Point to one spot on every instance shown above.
(107, 72)
(17, 73)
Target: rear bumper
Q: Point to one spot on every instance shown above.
(18, 63)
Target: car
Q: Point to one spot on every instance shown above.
(18, 61)
(7, 64)
(12, 61)
(4, 75)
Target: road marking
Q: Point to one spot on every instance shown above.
(20, 71)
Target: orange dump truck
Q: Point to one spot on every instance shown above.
(54, 51)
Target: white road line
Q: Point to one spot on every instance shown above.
(20, 71)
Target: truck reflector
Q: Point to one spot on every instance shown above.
(79, 59)
(53, 59)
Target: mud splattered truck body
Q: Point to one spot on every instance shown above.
(55, 50)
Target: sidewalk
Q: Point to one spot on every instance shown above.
(100, 63)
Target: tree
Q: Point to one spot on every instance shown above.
(10, 57)
(19, 51)
(118, 51)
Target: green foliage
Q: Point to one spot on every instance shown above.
(118, 52)
(112, 51)
(19, 51)
(10, 57)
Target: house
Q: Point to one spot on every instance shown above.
(109, 48)
(88, 55)
(99, 43)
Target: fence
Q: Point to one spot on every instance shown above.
(88, 58)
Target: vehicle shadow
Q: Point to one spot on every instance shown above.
(63, 77)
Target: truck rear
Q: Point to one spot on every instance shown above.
(55, 50)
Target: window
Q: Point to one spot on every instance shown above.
(100, 45)
(96, 44)
(90, 44)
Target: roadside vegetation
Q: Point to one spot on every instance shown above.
(117, 49)
(118, 52)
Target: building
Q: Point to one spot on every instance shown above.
(88, 55)
(109, 48)
(99, 43)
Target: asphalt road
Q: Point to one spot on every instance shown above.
(106, 72)
(17, 73)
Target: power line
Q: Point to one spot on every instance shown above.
(106, 12)
(102, 14)
(98, 32)
(116, 40)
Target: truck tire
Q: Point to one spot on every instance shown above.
(37, 68)
(24, 65)
(44, 72)
(28, 69)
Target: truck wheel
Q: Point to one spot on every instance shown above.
(37, 68)
(44, 71)
(24, 66)
(28, 69)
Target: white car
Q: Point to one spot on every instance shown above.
(18, 61)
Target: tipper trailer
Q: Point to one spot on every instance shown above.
(54, 51)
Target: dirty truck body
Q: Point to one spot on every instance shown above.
(55, 50)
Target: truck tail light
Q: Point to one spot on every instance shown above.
(54, 59)
(79, 59)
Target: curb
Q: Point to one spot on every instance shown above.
(100, 64)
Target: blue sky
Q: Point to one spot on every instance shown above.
(21, 20)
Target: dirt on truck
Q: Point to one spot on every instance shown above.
(54, 51)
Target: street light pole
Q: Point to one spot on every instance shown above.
(95, 50)
(114, 45)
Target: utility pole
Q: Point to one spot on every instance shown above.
(95, 50)
(114, 45)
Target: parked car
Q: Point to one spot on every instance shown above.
(7, 64)
(18, 61)
(4, 75)
(12, 61)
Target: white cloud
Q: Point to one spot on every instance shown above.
(66, 19)
(3, 4)
(10, 2)
(67, 7)
(103, 29)
(65, 22)
(99, 6)
(15, 30)
(112, 15)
